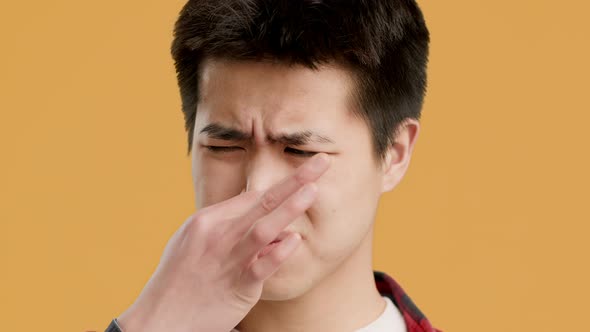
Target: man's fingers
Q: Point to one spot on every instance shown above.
(229, 209)
(277, 194)
(269, 227)
(214, 220)
(263, 267)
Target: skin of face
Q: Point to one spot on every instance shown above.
(251, 127)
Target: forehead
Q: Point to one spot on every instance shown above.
(234, 90)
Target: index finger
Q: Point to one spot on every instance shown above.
(278, 193)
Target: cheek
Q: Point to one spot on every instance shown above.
(215, 181)
(343, 213)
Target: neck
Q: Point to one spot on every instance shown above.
(344, 300)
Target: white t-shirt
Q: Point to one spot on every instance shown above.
(390, 320)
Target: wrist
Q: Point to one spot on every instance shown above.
(131, 320)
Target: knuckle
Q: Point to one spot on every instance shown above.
(201, 217)
(260, 236)
(202, 226)
(252, 195)
(269, 201)
(300, 178)
(195, 227)
(294, 206)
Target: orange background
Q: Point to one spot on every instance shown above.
(487, 232)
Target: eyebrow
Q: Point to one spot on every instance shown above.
(219, 131)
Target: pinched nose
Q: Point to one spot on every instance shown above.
(264, 171)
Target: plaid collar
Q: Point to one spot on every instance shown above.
(414, 318)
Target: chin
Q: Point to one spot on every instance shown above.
(290, 281)
(281, 291)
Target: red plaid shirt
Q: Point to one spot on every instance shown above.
(414, 318)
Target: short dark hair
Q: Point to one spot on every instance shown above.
(384, 43)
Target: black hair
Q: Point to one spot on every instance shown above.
(384, 43)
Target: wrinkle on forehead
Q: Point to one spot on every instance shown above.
(216, 130)
(268, 98)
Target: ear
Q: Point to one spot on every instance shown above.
(397, 157)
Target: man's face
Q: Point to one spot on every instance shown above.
(256, 123)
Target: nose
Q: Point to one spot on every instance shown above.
(263, 171)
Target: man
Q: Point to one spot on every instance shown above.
(299, 114)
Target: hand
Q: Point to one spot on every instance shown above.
(213, 268)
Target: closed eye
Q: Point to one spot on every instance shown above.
(300, 153)
(222, 149)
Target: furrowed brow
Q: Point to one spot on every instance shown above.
(300, 138)
(219, 131)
